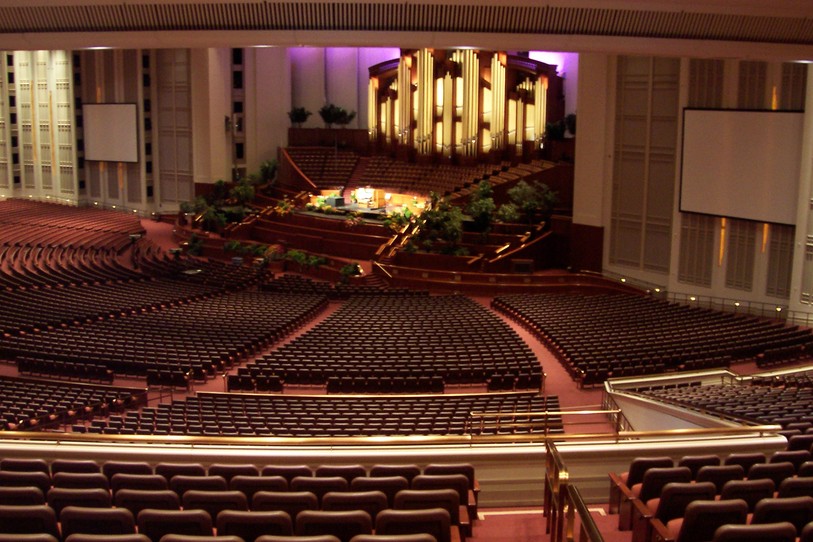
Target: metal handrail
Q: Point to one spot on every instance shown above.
(414, 440)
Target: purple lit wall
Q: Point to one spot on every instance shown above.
(336, 75)
(567, 66)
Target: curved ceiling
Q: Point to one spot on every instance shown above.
(788, 24)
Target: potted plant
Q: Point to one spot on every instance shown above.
(298, 116)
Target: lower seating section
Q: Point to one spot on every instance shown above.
(702, 497)
(220, 414)
(375, 338)
(304, 285)
(28, 404)
(327, 167)
(787, 401)
(421, 179)
(202, 336)
(78, 497)
(601, 336)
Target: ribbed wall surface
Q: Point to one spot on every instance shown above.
(405, 17)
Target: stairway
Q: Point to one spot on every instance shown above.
(358, 173)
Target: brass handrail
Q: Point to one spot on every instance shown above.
(291, 162)
(414, 440)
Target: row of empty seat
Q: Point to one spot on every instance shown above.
(451, 337)
(28, 404)
(241, 500)
(232, 414)
(601, 336)
(754, 401)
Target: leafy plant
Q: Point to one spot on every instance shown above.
(299, 115)
(332, 114)
(353, 220)
(396, 221)
(232, 246)
(555, 131)
(508, 212)
(533, 199)
(243, 191)
(268, 169)
(482, 207)
(212, 219)
(194, 246)
(350, 270)
(441, 227)
(219, 192)
(283, 207)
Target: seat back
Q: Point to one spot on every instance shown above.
(656, 478)
(371, 502)
(16, 496)
(157, 523)
(796, 487)
(199, 538)
(639, 465)
(745, 460)
(696, 462)
(719, 475)
(168, 470)
(421, 537)
(676, 496)
(407, 471)
(466, 469)
(433, 521)
(77, 537)
(136, 500)
(37, 479)
(702, 518)
(315, 538)
(289, 472)
(229, 471)
(796, 510)
(421, 499)
(250, 525)
(348, 472)
(60, 497)
(769, 532)
(458, 482)
(292, 502)
(112, 468)
(75, 465)
(181, 483)
(75, 519)
(344, 525)
(250, 485)
(774, 471)
(796, 457)
(39, 537)
(25, 465)
(214, 501)
(751, 491)
(36, 518)
(319, 486)
(388, 485)
(81, 480)
(122, 480)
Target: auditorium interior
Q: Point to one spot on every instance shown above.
(368, 271)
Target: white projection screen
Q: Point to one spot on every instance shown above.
(741, 164)
(110, 132)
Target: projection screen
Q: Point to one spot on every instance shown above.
(110, 132)
(741, 164)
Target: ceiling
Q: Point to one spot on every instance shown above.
(728, 28)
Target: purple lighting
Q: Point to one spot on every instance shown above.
(552, 58)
